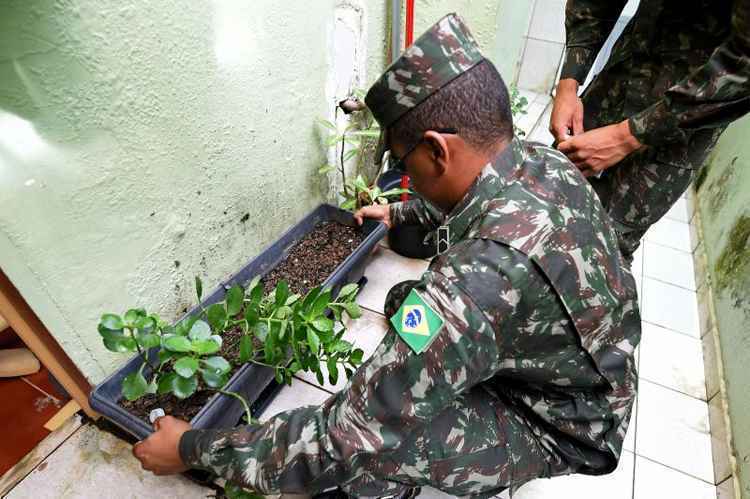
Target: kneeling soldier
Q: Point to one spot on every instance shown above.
(511, 358)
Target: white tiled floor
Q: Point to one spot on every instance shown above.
(668, 265)
(95, 464)
(386, 269)
(667, 450)
(655, 481)
(673, 430)
(617, 485)
(670, 306)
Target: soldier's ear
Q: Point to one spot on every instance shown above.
(439, 150)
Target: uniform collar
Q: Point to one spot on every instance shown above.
(493, 178)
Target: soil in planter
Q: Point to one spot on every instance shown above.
(315, 257)
(309, 263)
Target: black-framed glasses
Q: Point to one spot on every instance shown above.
(398, 164)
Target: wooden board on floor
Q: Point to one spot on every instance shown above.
(62, 415)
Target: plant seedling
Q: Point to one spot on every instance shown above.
(281, 330)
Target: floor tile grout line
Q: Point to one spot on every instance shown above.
(314, 386)
(543, 40)
(536, 124)
(382, 314)
(672, 330)
(45, 457)
(675, 469)
(705, 401)
(688, 252)
(635, 428)
(693, 290)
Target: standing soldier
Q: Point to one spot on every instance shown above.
(678, 75)
(511, 358)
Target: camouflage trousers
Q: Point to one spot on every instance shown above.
(477, 448)
(637, 192)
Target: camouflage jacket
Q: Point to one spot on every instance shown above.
(680, 71)
(540, 313)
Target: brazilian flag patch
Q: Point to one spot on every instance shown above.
(416, 322)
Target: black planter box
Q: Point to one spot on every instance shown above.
(407, 239)
(255, 383)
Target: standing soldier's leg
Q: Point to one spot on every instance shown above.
(637, 193)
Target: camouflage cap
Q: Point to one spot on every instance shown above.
(442, 53)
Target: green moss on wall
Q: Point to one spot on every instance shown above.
(734, 259)
(718, 191)
(723, 200)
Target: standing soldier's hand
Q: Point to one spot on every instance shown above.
(379, 212)
(567, 111)
(598, 149)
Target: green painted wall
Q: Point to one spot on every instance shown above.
(498, 25)
(724, 203)
(143, 143)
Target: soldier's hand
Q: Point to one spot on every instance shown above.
(160, 452)
(567, 111)
(379, 212)
(596, 150)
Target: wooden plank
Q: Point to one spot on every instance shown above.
(38, 339)
(62, 415)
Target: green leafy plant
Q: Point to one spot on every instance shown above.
(281, 330)
(186, 352)
(233, 491)
(357, 141)
(366, 195)
(518, 104)
(292, 333)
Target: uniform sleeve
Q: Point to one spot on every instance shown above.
(416, 211)
(713, 96)
(390, 398)
(588, 23)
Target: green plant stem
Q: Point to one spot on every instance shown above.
(257, 362)
(140, 351)
(343, 173)
(248, 414)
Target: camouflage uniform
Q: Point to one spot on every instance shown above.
(680, 74)
(531, 374)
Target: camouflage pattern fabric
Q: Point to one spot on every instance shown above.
(416, 211)
(532, 374)
(637, 193)
(680, 73)
(443, 52)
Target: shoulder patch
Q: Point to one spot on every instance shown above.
(416, 322)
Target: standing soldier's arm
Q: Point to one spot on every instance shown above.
(416, 211)
(389, 400)
(713, 96)
(588, 23)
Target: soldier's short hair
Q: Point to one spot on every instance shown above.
(476, 104)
